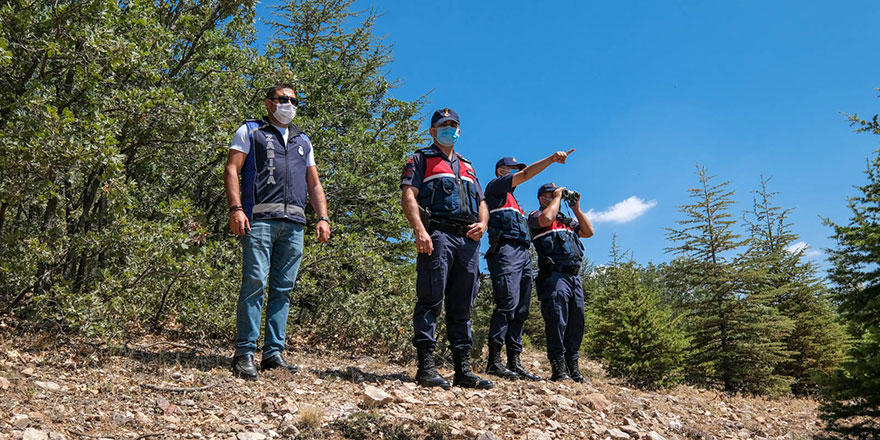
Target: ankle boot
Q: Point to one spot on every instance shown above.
(495, 367)
(464, 377)
(574, 372)
(243, 367)
(560, 371)
(427, 376)
(514, 365)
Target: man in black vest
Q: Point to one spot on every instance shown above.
(441, 185)
(278, 173)
(560, 252)
(510, 265)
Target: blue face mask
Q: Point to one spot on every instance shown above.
(447, 136)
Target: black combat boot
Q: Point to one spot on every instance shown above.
(243, 367)
(574, 372)
(427, 376)
(464, 377)
(560, 371)
(514, 365)
(277, 362)
(495, 367)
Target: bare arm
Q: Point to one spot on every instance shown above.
(411, 211)
(585, 228)
(319, 203)
(476, 230)
(535, 168)
(548, 214)
(238, 221)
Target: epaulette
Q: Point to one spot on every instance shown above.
(461, 158)
(428, 151)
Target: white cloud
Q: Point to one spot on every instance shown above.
(622, 212)
(803, 246)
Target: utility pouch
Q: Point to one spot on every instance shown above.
(425, 215)
(494, 240)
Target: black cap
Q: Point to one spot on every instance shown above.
(547, 187)
(509, 162)
(443, 115)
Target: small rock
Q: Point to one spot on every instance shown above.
(49, 386)
(288, 428)
(28, 371)
(630, 429)
(34, 434)
(268, 405)
(675, 425)
(471, 432)
(629, 421)
(548, 412)
(375, 397)
(596, 401)
(654, 436)
(250, 436)
(57, 436)
(402, 396)
(487, 435)
(20, 421)
(616, 434)
(187, 402)
(536, 434)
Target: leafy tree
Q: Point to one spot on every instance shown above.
(361, 283)
(853, 392)
(116, 119)
(629, 327)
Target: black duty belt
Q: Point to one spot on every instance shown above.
(568, 269)
(456, 228)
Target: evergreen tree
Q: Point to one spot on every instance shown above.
(853, 392)
(629, 327)
(785, 282)
(703, 244)
(736, 334)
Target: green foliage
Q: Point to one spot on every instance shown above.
(629, 327)
(117, 116)
(737, 335)
(781, 281)
(853, 392)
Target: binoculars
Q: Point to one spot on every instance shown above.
(570, 197)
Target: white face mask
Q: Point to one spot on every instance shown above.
(284, 113)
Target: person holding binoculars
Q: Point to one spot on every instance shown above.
(560, 253)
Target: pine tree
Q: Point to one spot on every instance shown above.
(737, 335)
(853, 392)
(703, 243)
(631, 330)
(784, 281)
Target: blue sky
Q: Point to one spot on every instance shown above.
(645, 91)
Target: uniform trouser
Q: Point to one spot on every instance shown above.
(449, 275)
(510, 268)
(273, 249)
(562, 306)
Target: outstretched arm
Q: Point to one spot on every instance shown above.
(535, 168)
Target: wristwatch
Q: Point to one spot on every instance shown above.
(326, 219)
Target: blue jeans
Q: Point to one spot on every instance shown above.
(273, 249)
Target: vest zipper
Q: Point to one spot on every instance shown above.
(286, 170)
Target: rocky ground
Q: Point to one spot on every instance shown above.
(55, 388)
